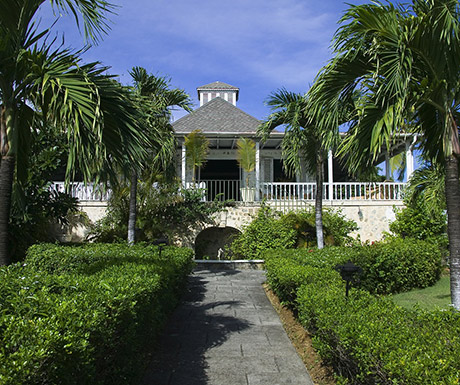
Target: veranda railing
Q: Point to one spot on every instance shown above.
(270, 191)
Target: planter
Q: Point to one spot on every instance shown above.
(248, 194)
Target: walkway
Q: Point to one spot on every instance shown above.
(226, 333)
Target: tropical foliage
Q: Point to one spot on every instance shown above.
(36, 211)
(164, 211)
(154, 99)
(246, 156)
(302, 138)
(41, 83)
(399, 66)
(272, 230)
(197, 149)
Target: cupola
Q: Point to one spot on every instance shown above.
(218, 89)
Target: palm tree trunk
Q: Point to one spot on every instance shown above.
(319, 204)
(453, 227)
(132, 208)
(6, 183)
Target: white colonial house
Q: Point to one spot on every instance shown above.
(370, 204)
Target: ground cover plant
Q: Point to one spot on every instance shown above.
(271, 230)
(83, 315)
(367, 338)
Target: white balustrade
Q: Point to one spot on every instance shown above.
(88, 192)
(270, 191)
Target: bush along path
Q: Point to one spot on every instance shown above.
(83, 315)
(226, 332)
(367, 338)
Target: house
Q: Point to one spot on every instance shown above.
(370, 204)
(222, 122)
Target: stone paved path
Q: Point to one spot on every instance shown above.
(226, 333)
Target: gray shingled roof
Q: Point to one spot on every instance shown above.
(217, 86)
(215, 116)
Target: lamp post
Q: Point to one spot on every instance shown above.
(348, 272)
(160, 242)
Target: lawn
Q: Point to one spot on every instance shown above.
(430, 298)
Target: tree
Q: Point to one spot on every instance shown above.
(404, 62)
(246, 155)
(40, 83)
(154, 99)
(197, 148)
(301, 137)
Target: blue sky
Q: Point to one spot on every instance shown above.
(256, 45)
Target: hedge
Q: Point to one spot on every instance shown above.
(367, 338)
(80, 315)
(388, 267)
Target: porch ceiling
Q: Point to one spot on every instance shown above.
(228, 141)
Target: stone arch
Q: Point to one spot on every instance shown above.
(210, 240)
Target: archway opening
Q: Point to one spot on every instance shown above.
(213, 242)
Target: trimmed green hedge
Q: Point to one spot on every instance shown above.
(367, 339)
(388, 267)
(82, 315)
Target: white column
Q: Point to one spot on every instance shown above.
(387, 166)
(183, 170)
(409, 159)
(330, 173)
(257, 171)
(201, 98)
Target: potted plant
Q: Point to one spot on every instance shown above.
(246, 157)
(197, 148)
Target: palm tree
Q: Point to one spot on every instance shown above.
(246, 156)
(39, 83)
(197, 148)
(301, 137)
(404, 62)
(155, 100)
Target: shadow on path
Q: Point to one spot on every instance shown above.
(196, 331)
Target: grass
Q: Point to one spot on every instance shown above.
(430, 298)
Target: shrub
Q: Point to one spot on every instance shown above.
(271, 230)
(164, 210)
(80, 315)
(388, 267)
(416, 222)
(398, 265)
(367, 339)
(263, 233)
(370, 340)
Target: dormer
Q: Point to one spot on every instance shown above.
(218, 89)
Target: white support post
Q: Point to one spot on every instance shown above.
(330, 173)
(183, 170)
(387, 166)
(201, 98)
(257, 171)
(409, 159)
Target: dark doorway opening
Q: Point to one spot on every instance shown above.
(211, 240)
(223, 179)
(279, 174)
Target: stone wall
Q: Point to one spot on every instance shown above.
(373, 217)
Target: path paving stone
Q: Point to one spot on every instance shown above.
(226, 333)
